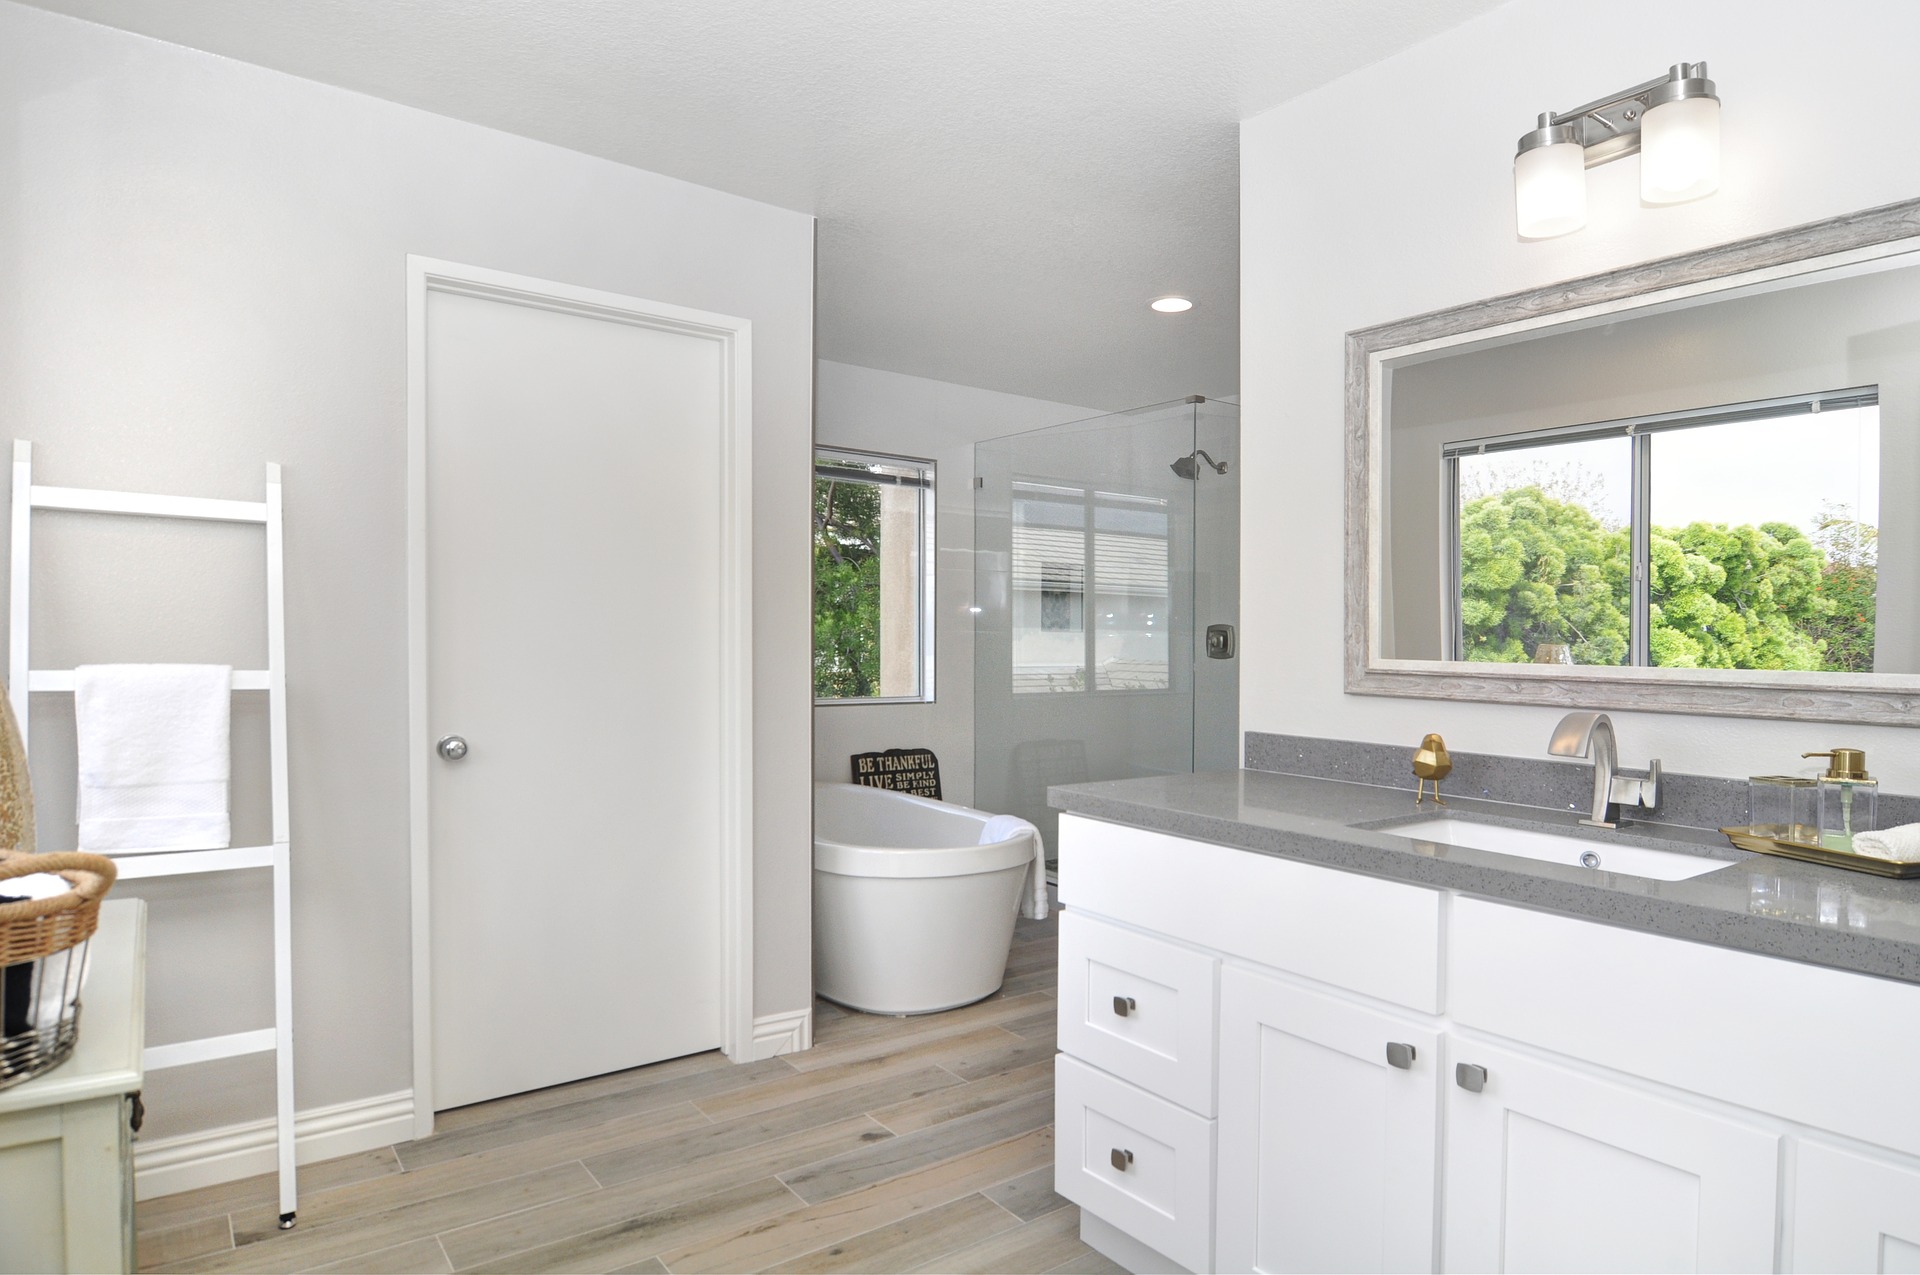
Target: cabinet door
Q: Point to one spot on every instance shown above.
(1549, 1169)
(1327, 1147)
(1851, 1213)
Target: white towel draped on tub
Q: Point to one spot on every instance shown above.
(154, 755)
(1033, 895)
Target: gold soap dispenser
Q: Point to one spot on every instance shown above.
(1848, 798)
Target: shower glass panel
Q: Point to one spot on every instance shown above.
(1104, 549)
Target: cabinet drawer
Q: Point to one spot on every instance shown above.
(1137, 1161)
(1140, 1008)
(1769, 1034)
(1378, 938)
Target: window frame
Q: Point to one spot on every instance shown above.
(924, 558)
(1639, 430)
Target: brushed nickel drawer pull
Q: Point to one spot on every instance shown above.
(1121, 1159)
(1469, 1077)
(1124, 1005)
(1401, 1055)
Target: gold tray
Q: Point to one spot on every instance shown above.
(1759, 843)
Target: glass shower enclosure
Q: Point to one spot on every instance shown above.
(1107, 597)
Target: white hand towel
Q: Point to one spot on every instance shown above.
(1902, 844)
(1033, 893)
(47, 984)
(154, 755)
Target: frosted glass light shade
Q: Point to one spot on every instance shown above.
(1550, 190)
(1680, 150)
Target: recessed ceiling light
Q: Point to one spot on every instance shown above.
(1172, 305)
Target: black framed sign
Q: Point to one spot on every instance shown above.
(909, 770)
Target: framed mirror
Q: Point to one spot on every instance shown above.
(1686, 486)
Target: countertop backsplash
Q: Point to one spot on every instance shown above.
(1688, 801)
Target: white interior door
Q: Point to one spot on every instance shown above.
(573, 487)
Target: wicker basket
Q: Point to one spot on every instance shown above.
(43, 955)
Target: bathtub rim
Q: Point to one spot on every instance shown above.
(838, 858)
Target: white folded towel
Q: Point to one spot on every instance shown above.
(154, 755)
(1902, 844)
(1033, 892)
(47, 982)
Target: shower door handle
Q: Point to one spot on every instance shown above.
(1220, 641)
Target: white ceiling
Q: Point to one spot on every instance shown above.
(1002, 185)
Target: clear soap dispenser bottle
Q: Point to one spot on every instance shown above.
(1848, 798)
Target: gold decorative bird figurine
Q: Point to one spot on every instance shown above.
(1432, 762)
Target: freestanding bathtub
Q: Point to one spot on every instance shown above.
(911, 914)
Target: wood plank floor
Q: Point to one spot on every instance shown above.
(893, 1145)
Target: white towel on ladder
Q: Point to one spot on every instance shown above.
(1033, 893)
(154, 755)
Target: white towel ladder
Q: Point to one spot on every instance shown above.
(24, 679)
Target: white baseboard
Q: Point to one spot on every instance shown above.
(164, 1166)
(788, 1033)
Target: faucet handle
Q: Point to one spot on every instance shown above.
(1650, 786)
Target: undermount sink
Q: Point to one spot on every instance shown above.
(1551, 847)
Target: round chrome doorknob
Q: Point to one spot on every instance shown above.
(453, 748)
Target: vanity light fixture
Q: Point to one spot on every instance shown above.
(1672, 123)
(1171, 305)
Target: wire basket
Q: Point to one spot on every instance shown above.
(43, 960)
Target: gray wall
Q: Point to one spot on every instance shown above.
(202, 269)
(1863, 330)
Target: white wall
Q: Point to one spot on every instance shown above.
(1389, 193)
(202, 269)
(934, 420)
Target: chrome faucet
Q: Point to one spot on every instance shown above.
(1584, 734)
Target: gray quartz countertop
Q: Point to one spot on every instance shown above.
(1756, 903)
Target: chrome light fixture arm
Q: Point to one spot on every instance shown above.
(1608, 128)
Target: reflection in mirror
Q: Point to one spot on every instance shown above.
(1711, 484)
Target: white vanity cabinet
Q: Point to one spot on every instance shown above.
(1548, 1168)
(1329, 1127)
(1392, 1077)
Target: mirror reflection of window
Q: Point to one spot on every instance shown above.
(1544, 552)
(1062, 538)
(1748, 539)
(1764, 542)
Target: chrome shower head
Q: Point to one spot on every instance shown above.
(1186, 468)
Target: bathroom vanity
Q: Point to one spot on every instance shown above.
(1294, 1040)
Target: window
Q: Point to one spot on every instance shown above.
(872, 577)
(1736, 537)
(1064, 537)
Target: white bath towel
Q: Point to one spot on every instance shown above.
(47, 982)
(1033, 894)
(154, 755)
(1902, 844)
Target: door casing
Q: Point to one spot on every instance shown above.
(733, 526)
